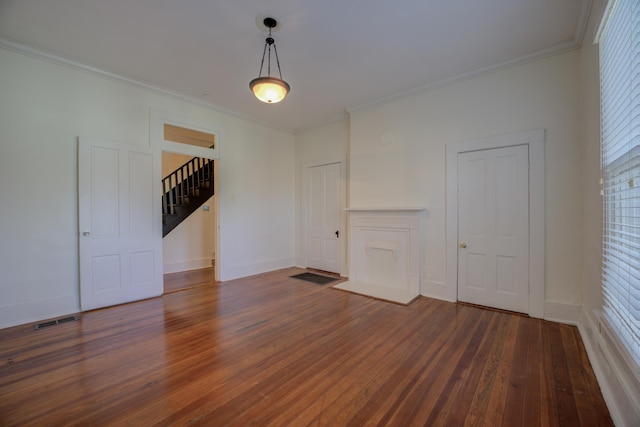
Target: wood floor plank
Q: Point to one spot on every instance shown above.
(180, 281)
(514, 402)
(273, 350)
(455, 396)
(586, 406)
(480, 403)
(532, 395)
(499, 392)
(567, 410)
(431, 386)
(471, 378)
(359, 401)
(333, 379)
(549, 399)
(601, 415)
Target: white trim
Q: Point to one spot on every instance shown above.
(59, 60)
(575, 43)
(583, 22)
(535, 141)
(191, 264)
(437, 290)
(157, 119)
(561, 312)
(35, 311)
(341, 117)
(302, 261)
(604, 20)
(386, 208)
(557, 50)
(620, 392)
(257, 268)
(395, 232)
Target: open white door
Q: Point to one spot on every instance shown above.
(323, 216)
(493, 228)
(119, 224)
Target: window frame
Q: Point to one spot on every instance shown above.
(620, 169)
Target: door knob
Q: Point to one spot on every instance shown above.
(337, 233)
(463, 245)
(86, 233)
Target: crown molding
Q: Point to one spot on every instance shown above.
(574, 44)
(583, 22)
(342, 116)
(525, 59)
(65, 62)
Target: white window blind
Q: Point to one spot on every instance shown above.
(620, 127)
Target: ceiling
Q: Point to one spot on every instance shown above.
(337, 55)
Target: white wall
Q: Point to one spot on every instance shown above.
(191, 245)
(320, 146)
(397, 157)
(255, 201)
(44, 107)
(172, 161)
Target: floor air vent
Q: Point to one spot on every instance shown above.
(55, 322)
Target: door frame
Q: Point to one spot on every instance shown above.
(534, 139)
(157, 120)
(304, 218)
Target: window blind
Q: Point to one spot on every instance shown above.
(620, 127)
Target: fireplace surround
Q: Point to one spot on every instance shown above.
(385, 253)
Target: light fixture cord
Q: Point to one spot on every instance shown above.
(268, 42)
(262, 63)
(277, 60)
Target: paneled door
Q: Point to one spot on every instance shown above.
(493, 228)
(120, 236)
(323, 217)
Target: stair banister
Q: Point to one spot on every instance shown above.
(186, 188)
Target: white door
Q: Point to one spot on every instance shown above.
(119, 224)
(493, 228)
(323, 213)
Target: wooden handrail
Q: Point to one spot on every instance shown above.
(184, 182)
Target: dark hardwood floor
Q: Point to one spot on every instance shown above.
(273, 350)
(174, 282)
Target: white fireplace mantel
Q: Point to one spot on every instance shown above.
(385, 252)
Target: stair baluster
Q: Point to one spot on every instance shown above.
(185, 190)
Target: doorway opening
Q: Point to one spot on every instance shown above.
(189, 245)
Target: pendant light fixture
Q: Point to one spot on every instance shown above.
(269, 89)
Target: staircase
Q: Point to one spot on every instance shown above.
(185, 190)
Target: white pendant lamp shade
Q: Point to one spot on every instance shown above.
(269, 89)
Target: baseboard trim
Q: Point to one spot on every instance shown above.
(620, 391)
(35, 311)
(258, 268)
(437, 290)
(562, 312)
(192, 264)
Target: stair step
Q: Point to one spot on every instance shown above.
(196, 189)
